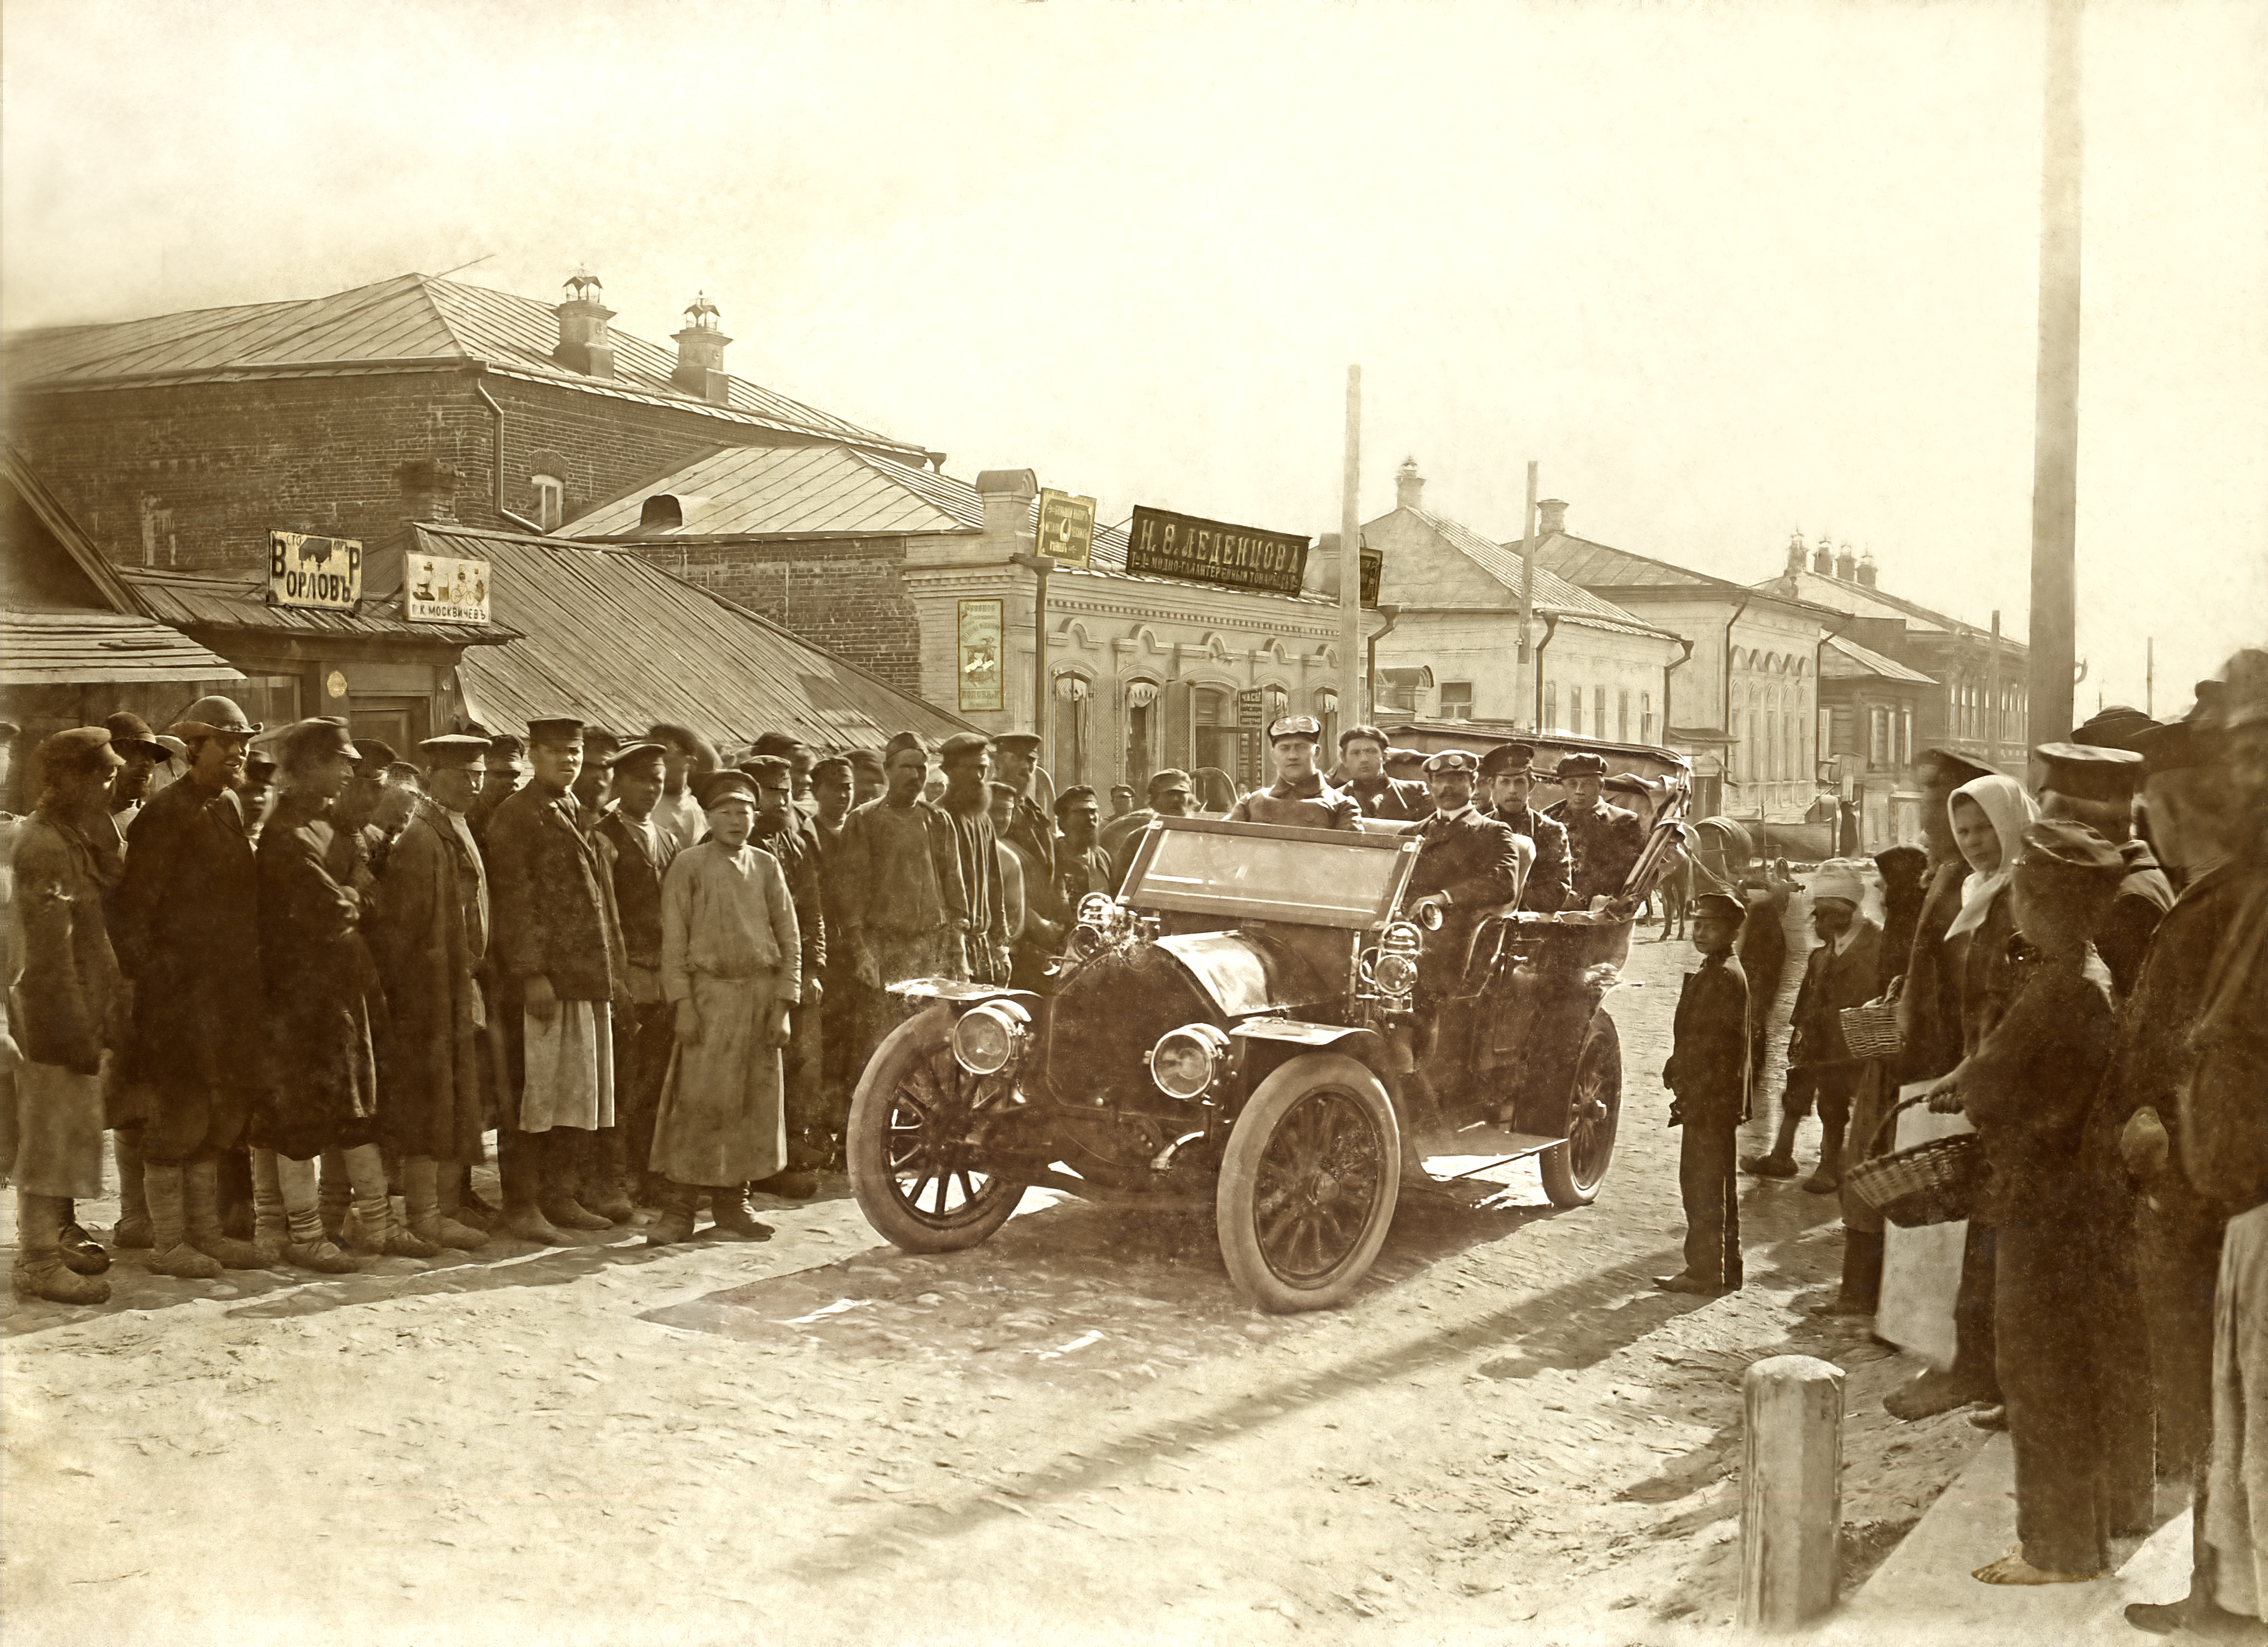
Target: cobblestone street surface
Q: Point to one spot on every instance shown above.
(1075, 1429)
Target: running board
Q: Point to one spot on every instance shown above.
(1480, 1139)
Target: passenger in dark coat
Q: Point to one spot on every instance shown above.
(1708, 1072)
(2077, 1411)
(1604, 840)
(637, 847)
(1467, 866)
(1362, 773)
(1510, 772)
(186, 926)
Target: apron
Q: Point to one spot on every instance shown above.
(721, 1120)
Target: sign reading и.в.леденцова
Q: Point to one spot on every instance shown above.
(1163, 544)
(305, 571)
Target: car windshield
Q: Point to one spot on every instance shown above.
(1260, 873)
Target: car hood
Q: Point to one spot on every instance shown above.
(1245, 973)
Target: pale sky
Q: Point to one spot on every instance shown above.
(1725, 271)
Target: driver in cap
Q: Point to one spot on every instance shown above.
(1299, 797)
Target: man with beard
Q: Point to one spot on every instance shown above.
(560, 969)
(1362, 761)
(430, 936)
(811, 1143)
(637, 849)
(1604, 840)
(186, 926)
(975, 893)
(897, 861)
(1509, 770)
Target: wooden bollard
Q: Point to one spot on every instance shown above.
(1790, 1491)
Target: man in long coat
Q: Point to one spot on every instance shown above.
(637, 843)
(896, 860)
(186, 926)
(783, 832)
(974, 886)
(1030, 830)
(1509, 770)
(1605, 840)
(430, 938)
(560, 969)
(2095, 786)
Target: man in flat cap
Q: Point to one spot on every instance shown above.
(784, 833)
(1509, 770)
(560, 969)
(800, 758)
(1030, 831)
(1468, 865)
(430, 936)
(1362, 761)
(1707, 1076)
(2077, 1400)
(1299, 798)
(186, 924)
(1170, 795)
(64, 1012)
(730, 969)
(897, 857)
(2095, 785)
(591, 779)
(1604, 840)
(637, 848)
(1081, 865)
(870, 779)
(982, 905)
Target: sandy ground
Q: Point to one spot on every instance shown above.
(1510, 1434)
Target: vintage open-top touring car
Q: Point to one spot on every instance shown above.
(1238, 1031)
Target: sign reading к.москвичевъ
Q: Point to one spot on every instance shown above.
(1163, 544)
(305, 571)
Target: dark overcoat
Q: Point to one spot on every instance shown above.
(1831, 982)
(553, 911)
(186, 926)
(1403, 799)
(433, 1058)
(1708, 1066)
(62, 1006)
(1475, 862)
(326, 1006)
(637, 867)
(1605, 845)
(1551, 879)
(2123, 936)
(796, 846)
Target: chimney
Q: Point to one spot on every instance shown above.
(584, 345)
(429, 489)
(1795, 552)
(1822, 559)
(1551, 519)
(1008, 496)
(1867, 568)
(1847, 564)
(701, 354)
(1408, 486)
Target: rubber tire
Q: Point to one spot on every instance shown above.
(1249, 1271)
(864, 1149)
(1601, 1054)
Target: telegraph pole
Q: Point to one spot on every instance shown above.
(2055, 442)
(1352, 711)
(1534, 693)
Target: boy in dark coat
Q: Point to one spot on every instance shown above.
(1708, 1075)
(637, 843)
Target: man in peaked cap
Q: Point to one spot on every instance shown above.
(1362, 765)
(1707, 1076)
(1604, 840)
(507, 770)
(1299, 798)
(1509, 771)
(1030, 831)
(1170, 795)
(637, 848)
(186, 926)
(799, 756)
(1468, 865)
(2114, 727)
(2095, 785)
(896, 855)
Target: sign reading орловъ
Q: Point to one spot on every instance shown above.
(305, 571)
(435, 589)
(1164, 545)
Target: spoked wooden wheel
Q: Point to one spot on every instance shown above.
(1309, 1183)
(921, 1186)
(1573, 1171)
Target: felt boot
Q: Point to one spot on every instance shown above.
(370, 1228)
(564, 1150)
(1781, 1163)
(82, 1253)
(133, 1207)
(307, 1246)
(422, 1179)
(728, 1205)
(675, 1224)
(39, 1271)
(605, 1179)
(200, 1213)
(337, 1193)
(520, 1158)
(271, 1225)
(171, 1253)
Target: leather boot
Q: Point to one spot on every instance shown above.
(421, 1182)
(337, 1193)
(606, 1180)
(234, 1193)
(308, 1245)
(728, 1205)
(520, 1156)
(171, 1253)
(371, 1229)
(271, 1225)
(39, 1271)
(460, 1201)
(133, 1207)
(200, 1214)
(82, 1253)
(563, 1149)
(675, 1224)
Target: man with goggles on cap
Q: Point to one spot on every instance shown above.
(1299, 797)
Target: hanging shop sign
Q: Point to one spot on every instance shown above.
(982, 690)
(1374, 568)
(435, 589)
(305, 572)
(1199, 551)
(1066, 531)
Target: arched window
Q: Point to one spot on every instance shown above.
(1141, 733)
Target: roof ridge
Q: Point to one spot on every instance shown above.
(315, 316)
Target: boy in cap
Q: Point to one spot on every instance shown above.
(2078, 1411)
(1841, 972)
(1603, 839)
(730, 969)
(2095, 786)
(788, 836)
(1299, 797)
(1509, 770)
(1707, 1076)
(64, 1003)
(1362, 763)
(638, 846)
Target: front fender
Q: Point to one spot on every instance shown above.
(960, 995)
(1265, 1043)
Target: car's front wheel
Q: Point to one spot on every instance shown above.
(921, 1186)
(1307, 1184)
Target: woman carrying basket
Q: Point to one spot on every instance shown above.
(2078, 1410)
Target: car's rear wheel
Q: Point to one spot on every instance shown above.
(1307, 1184)
(922, 1187)
(1573, 1171)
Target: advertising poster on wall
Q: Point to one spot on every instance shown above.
(982, 689)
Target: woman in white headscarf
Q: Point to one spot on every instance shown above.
(1988, 815)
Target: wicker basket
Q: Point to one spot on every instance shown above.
(1872, 1030)
(1936, 1182)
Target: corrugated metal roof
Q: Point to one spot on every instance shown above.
(200, 600)
(610, 637)
(1865, 661)
(78, 648)
(758, 491)
(1552, 592)
(408, 318)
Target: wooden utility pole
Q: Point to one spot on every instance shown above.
(1528, 661)
(2055, 441)
(2150, 674)
(1352, 711)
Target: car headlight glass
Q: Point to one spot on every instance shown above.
(989, 1038)
(1186, 1061)
(1097, 908)
(1395, 973)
